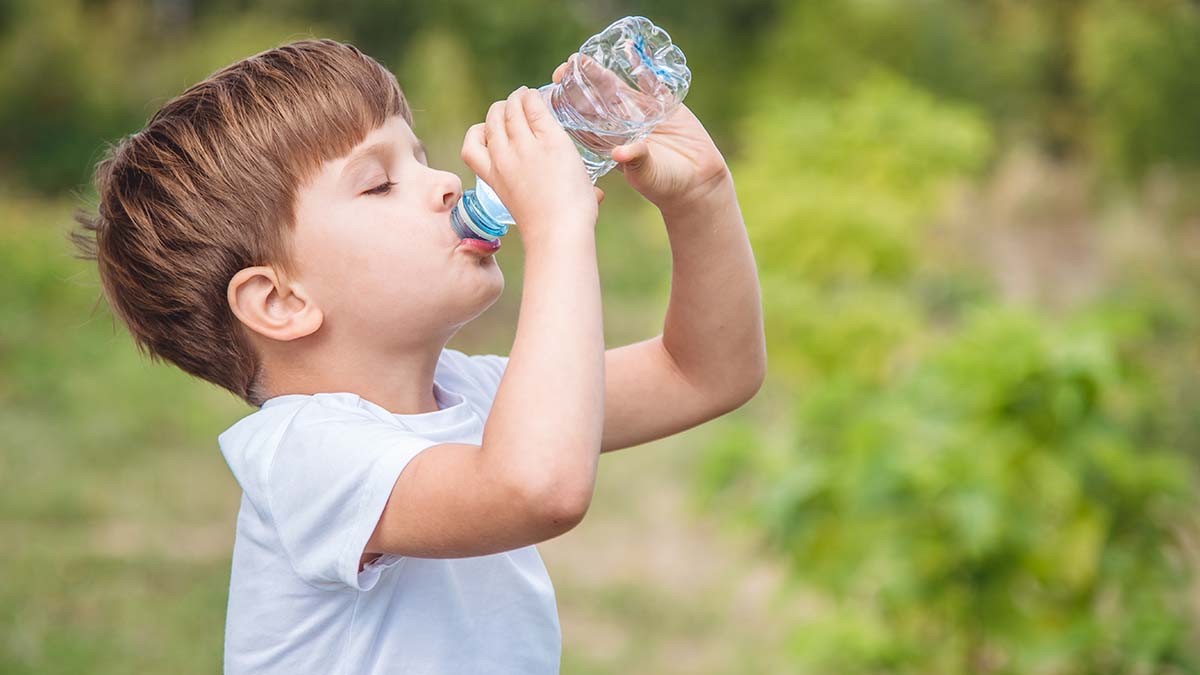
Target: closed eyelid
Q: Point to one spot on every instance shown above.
(379, 155)
(372, 174)
(364, 172)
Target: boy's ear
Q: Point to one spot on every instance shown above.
(271, 306)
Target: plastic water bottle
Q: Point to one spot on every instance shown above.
(616, 89)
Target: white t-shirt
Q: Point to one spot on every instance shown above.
(316, 472)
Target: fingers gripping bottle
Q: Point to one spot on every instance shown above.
(616, 89)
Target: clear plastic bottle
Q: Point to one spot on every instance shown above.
(616, 89)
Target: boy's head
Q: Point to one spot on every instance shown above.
(281, 212)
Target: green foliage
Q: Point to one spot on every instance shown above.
(66, 89)
(1106, 79)
(835, 190)
(973, 488)
(991, 509)
(1138, 68)
(858, 170)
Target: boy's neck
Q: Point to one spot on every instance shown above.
(401, 384)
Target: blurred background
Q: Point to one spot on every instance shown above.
(977, 224)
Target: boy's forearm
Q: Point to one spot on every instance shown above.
(547, 418)
(714, 327)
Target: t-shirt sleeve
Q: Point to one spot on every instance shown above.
(327, 485)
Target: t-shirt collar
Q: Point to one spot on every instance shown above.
(452, 407)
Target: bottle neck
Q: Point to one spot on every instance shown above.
(471, 221)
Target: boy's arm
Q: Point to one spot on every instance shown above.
(531, 478)
(533, 475)
(711, 355)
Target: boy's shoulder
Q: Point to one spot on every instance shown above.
(280, 412)
(249, 444)
(475, 376)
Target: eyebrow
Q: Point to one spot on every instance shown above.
(380, 149)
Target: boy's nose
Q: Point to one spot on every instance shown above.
(450, 187)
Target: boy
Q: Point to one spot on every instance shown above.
(276, 230)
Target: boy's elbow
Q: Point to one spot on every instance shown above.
(760, 377)
(725, 395)
(561, 506)
(564, 514)
(748, 386)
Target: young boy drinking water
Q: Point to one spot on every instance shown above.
(276, 230)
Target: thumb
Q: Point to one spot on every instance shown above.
(631, 156)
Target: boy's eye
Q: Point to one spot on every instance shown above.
(382, 189)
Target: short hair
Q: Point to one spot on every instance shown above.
(208, 188)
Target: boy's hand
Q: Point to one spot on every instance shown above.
(532, 164)
(675, 164)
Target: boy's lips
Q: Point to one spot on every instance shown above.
(479, 246)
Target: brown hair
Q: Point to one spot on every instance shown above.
(208, 188)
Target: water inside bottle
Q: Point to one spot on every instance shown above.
(616, 89)
(591, 128)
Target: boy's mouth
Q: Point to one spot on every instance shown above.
(479, 245)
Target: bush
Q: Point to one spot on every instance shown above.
(971, 487)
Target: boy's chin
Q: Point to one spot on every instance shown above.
(489, 276)
(484, 292)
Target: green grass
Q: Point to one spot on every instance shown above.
(81, 613)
